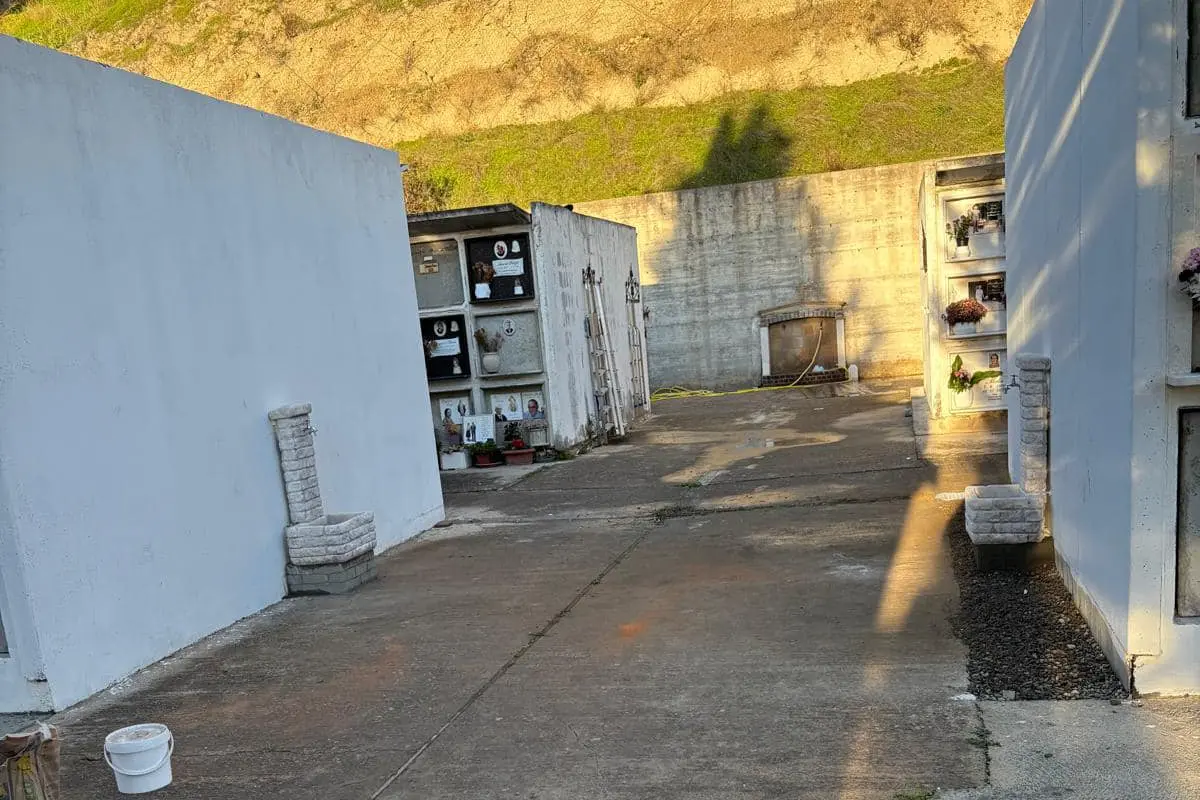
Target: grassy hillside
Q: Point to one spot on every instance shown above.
(953, 109)
(390, 70)
(565, 100)
(57, 23)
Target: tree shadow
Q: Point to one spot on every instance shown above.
(757, 149)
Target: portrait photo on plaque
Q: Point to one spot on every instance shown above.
(445, 342)
(533, 406)
(505, 405)
(499, 268)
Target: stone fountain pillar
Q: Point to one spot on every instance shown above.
(1007, 523)
(327, 553)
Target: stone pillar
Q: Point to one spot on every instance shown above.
(764, 345)
(1033, 378)
(298, 460)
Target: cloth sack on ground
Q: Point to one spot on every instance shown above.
(30, 764)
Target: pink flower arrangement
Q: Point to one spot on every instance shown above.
(961, 380)
(969, 310)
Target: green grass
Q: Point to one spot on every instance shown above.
(182, 9)
(57, 23)
(952, 109)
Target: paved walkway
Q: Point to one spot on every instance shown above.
(750, 598)
(1091, 750)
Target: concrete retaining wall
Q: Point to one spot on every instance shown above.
(712, 258)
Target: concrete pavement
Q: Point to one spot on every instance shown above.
(748, 598)
(1091, 750)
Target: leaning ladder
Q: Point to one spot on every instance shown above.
(634, 321)
(606, 385)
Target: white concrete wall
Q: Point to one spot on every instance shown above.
(946, 410)
(171, 269)
(712, 258)
(1087, 123)
(565, 243)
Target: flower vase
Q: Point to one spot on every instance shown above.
(491, 363)
(963, 328)
(483, 291)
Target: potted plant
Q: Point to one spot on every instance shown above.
(513, 436)
(963, 315)
(485, 454)
(481, 277)
(1189, 276)
(961, 380)
(489, 344)
(960, 228)
(516, 452)
(454, 458)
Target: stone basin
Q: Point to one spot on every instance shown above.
(1004, 514)
(332, 539)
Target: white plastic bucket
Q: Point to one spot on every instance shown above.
(140, 757)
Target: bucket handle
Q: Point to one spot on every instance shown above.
(138, 772)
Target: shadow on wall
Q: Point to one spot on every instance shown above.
(756, 151)
(736, 248)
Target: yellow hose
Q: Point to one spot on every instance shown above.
(681, 392)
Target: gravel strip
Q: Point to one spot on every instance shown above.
(1025, 638)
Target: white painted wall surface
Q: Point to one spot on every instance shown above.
(172, 268)
(712, 258)
(1088, 109)
(565, 243)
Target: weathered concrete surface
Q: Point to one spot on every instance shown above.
(14, 723)
(565, 245)
(936, 447)
(736, 655)
(330, 695)
(749, 598)
(1091, 750)
(713, 258)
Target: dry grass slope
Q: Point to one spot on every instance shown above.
(457, 71)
